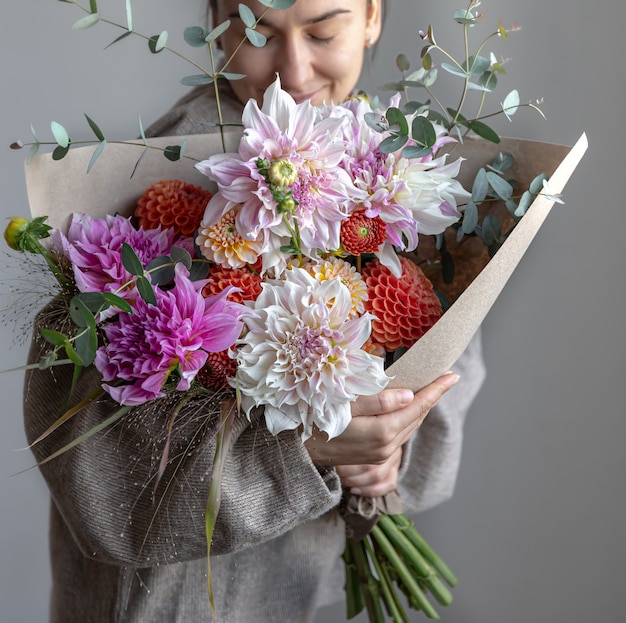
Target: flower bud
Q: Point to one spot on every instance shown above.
(282, 172)
(15, 231)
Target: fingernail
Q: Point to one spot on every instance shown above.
(356, 490)
(406, 396)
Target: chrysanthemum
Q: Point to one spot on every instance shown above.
(404, 308)
(145, 348)
(174, 204)
(336, 268)
(302, 355)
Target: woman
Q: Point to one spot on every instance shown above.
(123, 550)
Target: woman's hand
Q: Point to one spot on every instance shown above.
(372, 480)
(380, 426)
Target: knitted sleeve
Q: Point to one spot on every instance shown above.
(107, 491)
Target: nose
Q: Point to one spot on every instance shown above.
(294, 64)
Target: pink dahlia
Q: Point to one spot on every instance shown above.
(94, 247)
(172, 338)
(405, 307)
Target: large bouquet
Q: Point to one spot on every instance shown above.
(297, 278)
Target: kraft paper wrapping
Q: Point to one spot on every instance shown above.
(59, 188)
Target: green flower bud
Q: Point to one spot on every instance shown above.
(282, 172)
(15, 231)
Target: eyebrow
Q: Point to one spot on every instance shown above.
(313, 20)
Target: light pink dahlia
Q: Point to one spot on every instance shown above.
(301, 356)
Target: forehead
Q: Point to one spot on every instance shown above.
(301, 11)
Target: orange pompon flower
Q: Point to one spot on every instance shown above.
(221, 277)
(172, 204)
(405, 307)
(219, 367)
(362, 234)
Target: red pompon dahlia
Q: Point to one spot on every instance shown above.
(405, 307)
(173, 204)
(362, 234)
(221, 277)
(216, 371)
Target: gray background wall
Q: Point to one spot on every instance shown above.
(535, 529)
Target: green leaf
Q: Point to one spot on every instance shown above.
(502, 162)
(278, 4)
(396, 118)
(197, 80)
(423, 132)
(491, 230)
(217, 31)
(129, 16)
(536, 186)
(488, 81)
(86, 22)
(470, 218)
(195, 36)
(480, 187)
(391, 86)
(60, 152)
(257, 39)
(161, 270)
(53, 337)
(118, 39)
(32, 152)
(118, 302)
(94, 127)
(60, 134)
(172, 153)
(402, 62)
(454, 70)
(476, 65)
(130, 260)
(86, 344)
(247, 16)
(72, 354)
(80, 313)
(231, 76)
(199, 270)
(96, 154)
(414, 151)
(524, 203)
(139, 160)
(93, 6)
(501, 187)
(463, 16)
(145, 291)
(484, 131)
(181, 256)
(511, 104)
(157, 43)
(393, 143)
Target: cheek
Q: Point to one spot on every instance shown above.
(344, 71)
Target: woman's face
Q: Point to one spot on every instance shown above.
(316, 47)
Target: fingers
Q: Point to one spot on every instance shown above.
(372, 480)
(382, 424)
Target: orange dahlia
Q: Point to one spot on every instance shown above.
(217, 369)
(220, 277)
(173, 204)
(362, 234)
(405, 307)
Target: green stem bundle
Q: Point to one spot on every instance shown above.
(394, 559)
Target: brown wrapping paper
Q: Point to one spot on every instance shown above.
(59, 188)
